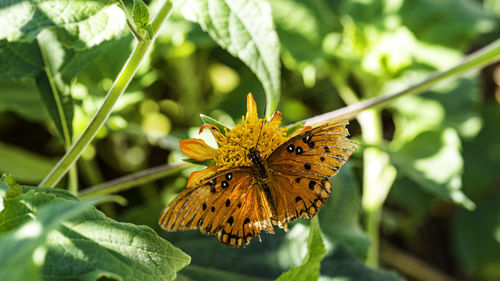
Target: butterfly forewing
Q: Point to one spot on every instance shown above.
(227, 204)
(301, 169)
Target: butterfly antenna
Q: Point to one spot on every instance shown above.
(260, 133)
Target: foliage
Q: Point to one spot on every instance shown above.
(43, 226)
(425, 176)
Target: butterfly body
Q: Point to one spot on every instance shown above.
(258, 166)
(237, 203)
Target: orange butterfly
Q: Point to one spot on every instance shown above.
(261, 178)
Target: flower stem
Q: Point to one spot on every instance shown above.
(378, 176)
(476, 60)
(119, 86)
(132, 180)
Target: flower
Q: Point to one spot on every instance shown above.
(253, 133)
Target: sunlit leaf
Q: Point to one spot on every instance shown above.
(309, 269)
(109, 248)
(245, 29)
(433, 160)
(79, 24)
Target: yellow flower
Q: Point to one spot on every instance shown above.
(253, 133)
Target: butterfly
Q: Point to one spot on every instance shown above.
(236, 204)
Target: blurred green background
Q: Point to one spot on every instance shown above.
(444, 143)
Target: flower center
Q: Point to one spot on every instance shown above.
(261, 136)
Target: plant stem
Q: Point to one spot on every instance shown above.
(378, 176)
(476, 60)
(119, 86)
(43, 40)
(135, 179)
(73, 180)
(372, 223)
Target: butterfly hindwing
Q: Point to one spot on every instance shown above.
(299, 196)
(227, 204)
(301, 169)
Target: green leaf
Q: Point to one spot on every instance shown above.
(294, 128)
(340, 217)
(309, 269)
(140, 14)
(209, 120)
(53, 68)
(26, 166)
(433, 160)
(245, 29)
(19, 96)
(24, 249)
(19, 59)
(118, 250)
(79, 24)
(8, 189)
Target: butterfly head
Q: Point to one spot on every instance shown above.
(254, 156)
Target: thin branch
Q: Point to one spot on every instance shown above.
(119, 86)
(132, 180)
(476, 60)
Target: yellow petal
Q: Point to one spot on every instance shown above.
(300, 131)
(198, 176)
(219, 137)
(197, 149)
(252, 115)
(276, 119)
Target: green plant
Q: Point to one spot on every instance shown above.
(71, 103)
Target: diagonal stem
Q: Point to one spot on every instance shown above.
(476, 60)
(132, 180)
(119, 86)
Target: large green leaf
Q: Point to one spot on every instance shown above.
(55, 92)
(91, 245)
(45, 40)
(309, 269)
(24, 248)
(245, 29)
(53, 68)
(78, 23)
